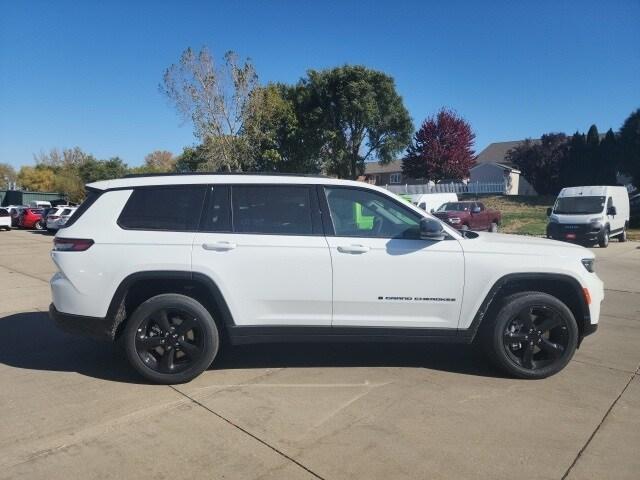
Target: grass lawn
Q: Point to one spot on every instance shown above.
(528, 215)
(522, 215)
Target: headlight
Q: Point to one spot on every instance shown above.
(553, 220)
(454, 220)
(589, 264)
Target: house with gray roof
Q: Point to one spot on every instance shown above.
(492, 166)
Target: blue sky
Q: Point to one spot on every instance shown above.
(86, 73)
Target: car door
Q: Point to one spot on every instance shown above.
(384, 275)
(264, 247)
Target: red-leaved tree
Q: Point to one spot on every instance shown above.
(441, 148)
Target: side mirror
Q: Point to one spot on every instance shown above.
(549, 210)
(476, 210)
(612, 210)
(432, 210)
(431, 229)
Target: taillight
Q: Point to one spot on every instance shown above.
(71, 244)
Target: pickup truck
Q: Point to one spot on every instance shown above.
(469, 216)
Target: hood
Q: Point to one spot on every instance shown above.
(449, 213)
(523, 245)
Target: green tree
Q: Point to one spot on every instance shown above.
(36, 179)
(7, 175)
(608, 159)
(358, 116)
(540, 162)
(630, 147)
(572, 166)
(274, 129)
(192, 159)
(93, 170)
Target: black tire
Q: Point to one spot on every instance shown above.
(38, 226)
(603, 238)
(174, 347)
(623, 236)
(493, 228)
(518, 341)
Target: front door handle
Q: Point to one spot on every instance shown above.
(353, 249)
(219, 246)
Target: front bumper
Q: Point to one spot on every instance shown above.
(581, 232)
(94, 327)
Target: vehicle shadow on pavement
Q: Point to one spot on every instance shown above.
(32, 341)
(465, 359)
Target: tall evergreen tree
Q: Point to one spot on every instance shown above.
(608, 158)
(630, 147)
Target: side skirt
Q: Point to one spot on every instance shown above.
(241, 335)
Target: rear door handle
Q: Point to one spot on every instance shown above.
(353, 249)
(219, 246)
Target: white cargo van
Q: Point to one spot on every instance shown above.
(590, 215)
(432, 201)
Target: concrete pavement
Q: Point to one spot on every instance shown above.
(71, 407)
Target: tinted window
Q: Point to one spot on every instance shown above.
(163, 208)
(272, 209)
(217, 216)
(579, 205)
(3, 212)
(66, 211)
(360, 213)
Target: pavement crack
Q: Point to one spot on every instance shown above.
(246, 432)
(595, 431)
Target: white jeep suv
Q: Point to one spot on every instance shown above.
(174, 265)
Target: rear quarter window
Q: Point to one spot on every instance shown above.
(163, 208)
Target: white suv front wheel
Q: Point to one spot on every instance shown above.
(534, 335)
(171, 339)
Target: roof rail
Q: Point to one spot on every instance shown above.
(266, 174)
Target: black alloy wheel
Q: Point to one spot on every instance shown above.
(532, 335)
(170, 338)
(537, 337)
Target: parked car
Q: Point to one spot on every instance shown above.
(30, 218)
(634, 210)
(5, 219)
(58, 217)
(39, 204)
(590, 215)
(431, 202)
(256, 258)
(469, 216)
(14, 211)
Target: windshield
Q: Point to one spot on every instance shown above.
(579, 205)
(455, 207)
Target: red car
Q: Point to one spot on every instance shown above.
(469, 216)
(30, 218)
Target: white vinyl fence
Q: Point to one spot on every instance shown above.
(471, 187)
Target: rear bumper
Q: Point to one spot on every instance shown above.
(94, 327)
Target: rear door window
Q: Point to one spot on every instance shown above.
(272, 209)
(217, 213)
(163, 208)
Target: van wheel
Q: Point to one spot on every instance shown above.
(493, 228)
(603, 240)
(171, 339)
(623, 236)
(534, 335)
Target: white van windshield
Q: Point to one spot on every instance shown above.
(579, 205)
